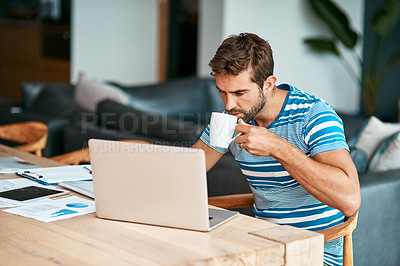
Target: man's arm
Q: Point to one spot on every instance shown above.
(330, 176)
(212, 156)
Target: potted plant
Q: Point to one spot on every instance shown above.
(343, 36)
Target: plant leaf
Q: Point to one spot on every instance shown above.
(322, 45)
(384, 18)
(336, 20)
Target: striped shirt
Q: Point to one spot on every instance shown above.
(312, 126)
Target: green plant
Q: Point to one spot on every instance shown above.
(383, 21)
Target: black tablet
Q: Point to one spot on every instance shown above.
(31, 192)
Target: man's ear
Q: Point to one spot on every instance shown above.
(269, 84)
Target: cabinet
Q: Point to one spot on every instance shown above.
(28, 52)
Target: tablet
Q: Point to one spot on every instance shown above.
(31, 192)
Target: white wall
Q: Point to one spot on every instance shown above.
(115, 40)
(285, 24)
(209, 33)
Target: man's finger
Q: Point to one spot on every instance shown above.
(241, 122)
(242, 126)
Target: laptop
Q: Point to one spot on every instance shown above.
(153, 184)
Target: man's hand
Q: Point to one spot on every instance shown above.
(256, 140)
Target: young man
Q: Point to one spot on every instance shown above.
(292, 149)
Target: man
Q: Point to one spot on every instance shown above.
(292, 149)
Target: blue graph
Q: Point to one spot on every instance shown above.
(62, 212)
(77, 205)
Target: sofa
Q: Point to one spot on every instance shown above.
(175, 113)
(376, 239)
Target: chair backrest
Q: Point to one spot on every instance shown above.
(344, 229)
(82, 155)
(32, 135)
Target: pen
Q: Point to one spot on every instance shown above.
(23, 162)
(87, 168)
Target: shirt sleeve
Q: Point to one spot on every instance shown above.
(323, 130)
(205, 137)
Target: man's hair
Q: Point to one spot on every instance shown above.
(244, 51)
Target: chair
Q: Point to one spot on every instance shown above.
(344, 229)
(28, 136)
(82, 155)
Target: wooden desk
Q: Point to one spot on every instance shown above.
(87, 240)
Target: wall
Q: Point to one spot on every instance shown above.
(115, 41)
(285, 24)
(210, 33)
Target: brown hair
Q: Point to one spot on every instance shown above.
(241, 52)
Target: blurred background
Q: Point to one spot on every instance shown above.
(136, 42)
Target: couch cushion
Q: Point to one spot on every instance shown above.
(31, 90)
(54, 101)
(372, 134)
(360, 159)
(129, 120)
(352, 124)
(387, 157)
(190, 98)
(89, 93)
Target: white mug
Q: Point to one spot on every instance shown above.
(222, 129)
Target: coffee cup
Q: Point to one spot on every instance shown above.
(222, 129)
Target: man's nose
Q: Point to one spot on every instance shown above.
(230, 103)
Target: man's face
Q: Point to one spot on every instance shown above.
(242, 97)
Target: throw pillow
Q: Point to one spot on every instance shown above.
(387, 156)
(89, 93)
(372, 134)
(359, 158)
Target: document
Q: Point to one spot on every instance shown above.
(52, 210)
(12, 164)
(8, 184)
(57, 174)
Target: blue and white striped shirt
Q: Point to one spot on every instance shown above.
(312, 126)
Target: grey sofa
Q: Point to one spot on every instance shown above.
(376, 239)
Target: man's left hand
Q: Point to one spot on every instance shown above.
(255, 139)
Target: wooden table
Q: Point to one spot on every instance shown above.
(87, 240)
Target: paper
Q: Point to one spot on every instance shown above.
(52, 210)
(8, 184)
(57, 174)
(5, 204)
(83, 187)
(12, 164)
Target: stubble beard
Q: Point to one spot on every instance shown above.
(254, 110)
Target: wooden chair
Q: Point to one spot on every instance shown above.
(82, 155)
(344, 229)
(32, 135)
